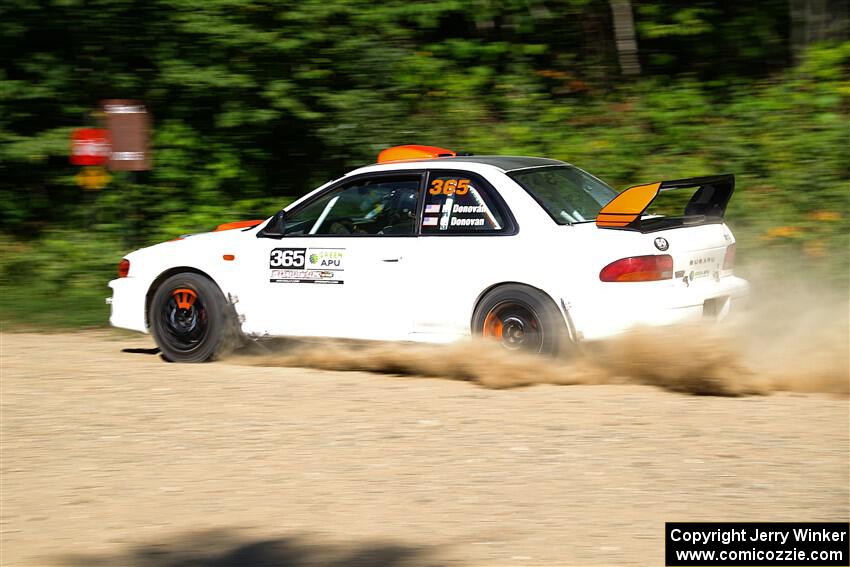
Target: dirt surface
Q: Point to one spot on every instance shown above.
(119, 458)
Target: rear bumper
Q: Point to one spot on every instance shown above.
(128, 304)
(623, 306)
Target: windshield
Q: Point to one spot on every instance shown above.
(568, 194)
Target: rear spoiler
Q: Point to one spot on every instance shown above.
(708, 204)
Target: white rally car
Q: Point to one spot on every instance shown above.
(427, 245)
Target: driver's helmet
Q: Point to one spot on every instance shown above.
(400, 201)
(406, 201)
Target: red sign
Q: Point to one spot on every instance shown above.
(90, 146)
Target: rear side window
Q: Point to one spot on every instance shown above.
(568, 194)
(458, 202)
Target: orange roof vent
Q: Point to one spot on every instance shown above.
(400, 153)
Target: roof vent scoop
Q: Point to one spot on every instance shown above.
(402, 153)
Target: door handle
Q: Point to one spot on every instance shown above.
(391, 259)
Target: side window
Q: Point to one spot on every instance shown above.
(372, 206)
(460, 203)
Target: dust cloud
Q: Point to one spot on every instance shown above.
(791, 337)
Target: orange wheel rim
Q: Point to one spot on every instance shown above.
(515, 325)
(185, 298)
(493, 326)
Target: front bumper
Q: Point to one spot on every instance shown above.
(620, 307)
(128, 304)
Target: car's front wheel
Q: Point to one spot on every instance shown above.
(190, 319)
(521, 318)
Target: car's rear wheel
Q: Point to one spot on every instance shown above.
(520, 318)
(190, 319)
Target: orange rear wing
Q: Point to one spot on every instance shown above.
(707, 205)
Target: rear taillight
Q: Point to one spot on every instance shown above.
(639, 269)
(123, 268)
(729, 258)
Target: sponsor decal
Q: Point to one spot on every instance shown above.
(697, 275)
(326, 258)
(307, 265)
(430, 221)
(303, 276)
(432, 209)
(662, 244)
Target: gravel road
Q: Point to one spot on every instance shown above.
(118, 458)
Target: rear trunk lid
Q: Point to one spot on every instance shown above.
(700, 254)
(700, 245)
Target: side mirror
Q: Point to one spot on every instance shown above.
(275, 227)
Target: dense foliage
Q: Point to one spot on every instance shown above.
(256, 102)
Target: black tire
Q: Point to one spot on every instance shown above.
(190, 319)
(521, 318)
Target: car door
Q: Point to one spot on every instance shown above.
(461, 251)
(342, 265)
